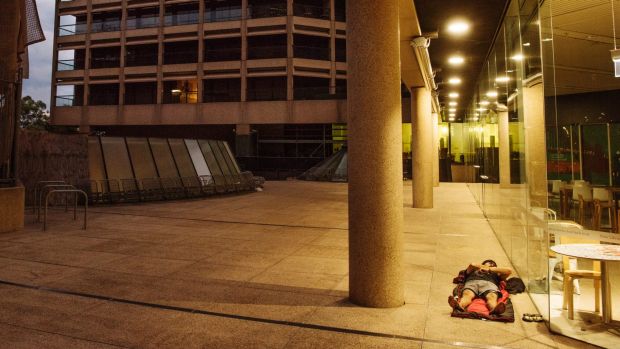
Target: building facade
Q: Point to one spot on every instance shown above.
(266, 75)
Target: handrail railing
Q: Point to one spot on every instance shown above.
(37, 185)
(75, 200)
(44, 188)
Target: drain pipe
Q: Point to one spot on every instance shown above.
(420, 46)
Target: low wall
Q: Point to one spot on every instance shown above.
(47, 156)
(11, 209)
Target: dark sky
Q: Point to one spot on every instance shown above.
(38, 86)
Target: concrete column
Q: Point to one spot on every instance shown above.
(504, 149)
(422, 147)
(375, 159)
(435, 149)
(535, 146)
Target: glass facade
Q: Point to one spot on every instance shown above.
(541, 147)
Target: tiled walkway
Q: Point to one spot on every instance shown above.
(260, 270)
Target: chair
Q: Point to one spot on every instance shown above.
(602, 200)
(572, 274)
(582, 194)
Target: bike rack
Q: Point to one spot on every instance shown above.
(36, 203)
(75, 196)
(52, 186)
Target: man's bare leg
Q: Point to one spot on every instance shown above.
(491, 300)
(466, 298)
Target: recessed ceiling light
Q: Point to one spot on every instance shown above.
(485, 103)
(458, 27)
(502, 79)
(456, 60)
(454, 81)
(492, 94)
(453, 95)
(451, 119)
(452, 114)
(452, 110)
(453, 104)
(518, 57)
(527, 44)
(481, 109)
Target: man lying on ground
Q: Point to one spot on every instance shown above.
(482, 281)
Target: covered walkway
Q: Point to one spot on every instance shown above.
(262, 270)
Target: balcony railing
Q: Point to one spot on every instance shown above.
(266, 52)
(267, 10)
(143, 22)
(223, 14)
(70, 64)
(222, 96)
(106, 26)
(67, 101)
(310, 11)
(105, 62)
(181, 19)
(266, 94)
(141, 59)
(312, 52)
(72, 29)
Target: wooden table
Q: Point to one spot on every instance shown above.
(596, 252)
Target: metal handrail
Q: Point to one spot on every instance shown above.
(76, 192)
(43, 189)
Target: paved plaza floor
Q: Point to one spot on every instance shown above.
(259, 270)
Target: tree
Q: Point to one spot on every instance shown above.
(33, 114)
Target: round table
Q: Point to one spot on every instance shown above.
(596, 252)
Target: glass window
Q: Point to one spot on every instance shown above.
(198, 158)
(182, 158)
(96, 166)
(166, 166)
(141, 158)
(116, 158)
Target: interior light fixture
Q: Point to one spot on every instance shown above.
(502, 79)
(453, 95)
(454, 81)
(485, 103)
(453, 104)
(452, 115)
(527, 44)
(492, 94)
(452, 110)
(518, 57)
(456, 60)
(458, 27)
(481, 109)
(176, 90)
(615, 53)
(451, 119)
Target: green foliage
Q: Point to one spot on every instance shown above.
(33, 114)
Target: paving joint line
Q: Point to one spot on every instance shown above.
(249, 318)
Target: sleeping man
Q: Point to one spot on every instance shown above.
(482, 281)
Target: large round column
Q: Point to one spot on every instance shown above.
(422, 147)
(504, 149)
(375, 154)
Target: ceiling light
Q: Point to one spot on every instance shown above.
(452, 110)
(456, 60)
(452, 115)
(485, 103)
(527, 44)
(492, 94)
(502, 79)
(481, 109)
(451, 119)
(458, 27)
(454, 81)
(518, 57)
(453, 95)
(176, 90)
(453, 104)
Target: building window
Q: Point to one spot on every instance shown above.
(138, 18)
(105, 57)
(266, 8)
(222, 90)
(311, 47)
(69, 95)
(311, 8)
(106, 22)
(217, 50)
(267, 88)
(141, 55)
(103, 94)
(311, 88)
(222, 10)
(181, 52)
(72, 25)
(70, 60)
(267, 46)
(181, 14)
(141, 93)
(340, 10)
(180, 92)
(341, 88)
(341, 50)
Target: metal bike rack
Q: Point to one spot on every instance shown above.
(75, 200)
(36, 202)
(52, 187)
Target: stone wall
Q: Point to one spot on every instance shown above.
(51, 156)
